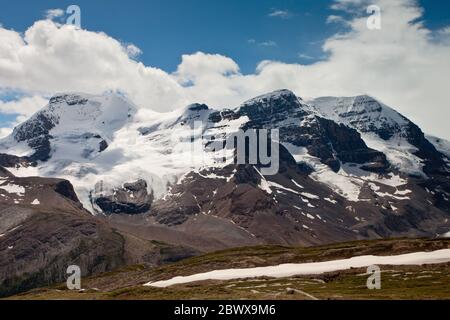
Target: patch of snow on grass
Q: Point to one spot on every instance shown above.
(289, 270)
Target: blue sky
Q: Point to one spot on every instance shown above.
(166, 29)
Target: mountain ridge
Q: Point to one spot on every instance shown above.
(147, 195)
(333, 137)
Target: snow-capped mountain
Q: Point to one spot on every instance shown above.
(383, 129)
(79, 127)
(350, 168)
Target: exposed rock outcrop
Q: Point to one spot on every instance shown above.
(131, 198)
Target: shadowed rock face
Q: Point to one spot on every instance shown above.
(132, 198)
(367, 115)
(297, 123)
(349, 147)
(36, 134)
(434, 163)
(11, 161)
(44, 229)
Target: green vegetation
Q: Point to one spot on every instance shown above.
(399, 282)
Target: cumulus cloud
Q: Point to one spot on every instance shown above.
(5, 131)
(445, 31)
(336, 19)
(22, 109)
(402, 64)
(51, 58)
(54, 13)
(200, 66)
(133, 51)
(25, 106)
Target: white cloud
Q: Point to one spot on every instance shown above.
(50, 58)
(402, 64)
(54, 13)
(352, 6)
(445, 31)
(133, 51)
(22, 108)
(283, 14)
(4, 132)
(200, 65)
(25, 106)
(305, 56)
(336, 19)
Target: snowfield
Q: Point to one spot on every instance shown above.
(13, 189)
(141, 144)
(289, 270)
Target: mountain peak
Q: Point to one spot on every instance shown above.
(82, 125)
(282, 94)
(197, 107)
(279, 101)
(364, 111)
(69, 98)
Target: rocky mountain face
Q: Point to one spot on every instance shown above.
(143, 192)
(373, 118)
(131, 198)
(299, 126)
(44, 229)
(404, 143)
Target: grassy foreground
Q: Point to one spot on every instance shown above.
(397, 282)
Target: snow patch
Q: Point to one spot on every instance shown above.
(297, 184)
(279, 186)
(289, 270)
(13, 189)
(309, 195)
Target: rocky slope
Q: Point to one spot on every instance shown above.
(400, 139)
(44, 229)
(351, 168)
